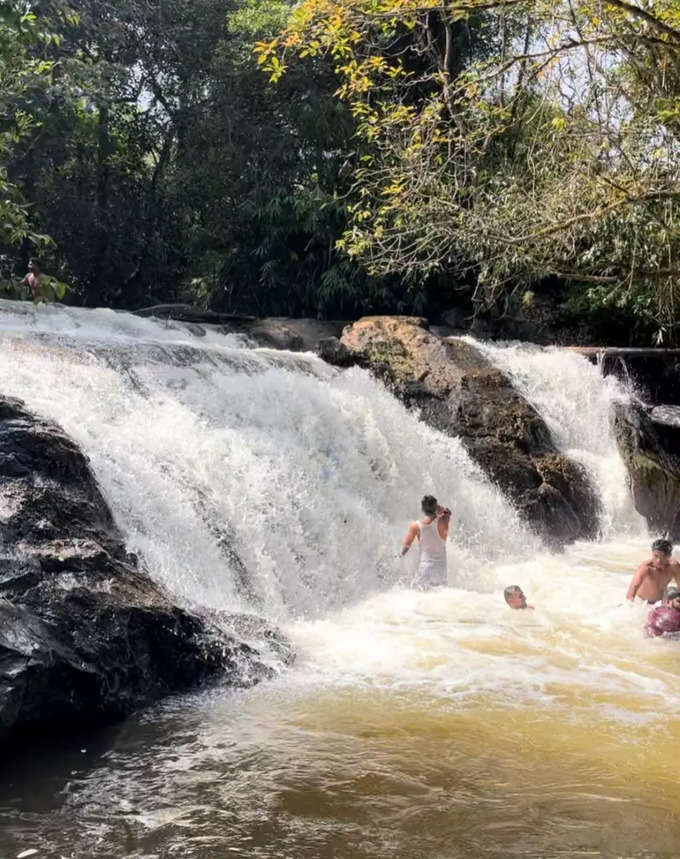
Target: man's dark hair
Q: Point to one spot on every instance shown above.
(510, 591)
(662, 545)
(671, 594)
(429, 505)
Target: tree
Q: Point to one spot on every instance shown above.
(552, 151)
(166, 167)
(21, 76)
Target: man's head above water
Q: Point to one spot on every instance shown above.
(429, 505)
(661, 552)
(514, 597)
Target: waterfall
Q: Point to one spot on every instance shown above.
(249, 479)
(254, 480)
(575, 401)
(269, 482)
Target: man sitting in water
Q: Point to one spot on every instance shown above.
(652, 578)
(666, 617)
(431, 531)
(514, 597)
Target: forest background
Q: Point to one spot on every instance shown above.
(332, 158)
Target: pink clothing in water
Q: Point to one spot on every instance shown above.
(661, 620)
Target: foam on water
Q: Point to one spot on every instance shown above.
(580, 651)
(103, 325)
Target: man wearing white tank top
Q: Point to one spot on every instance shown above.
(431, 532)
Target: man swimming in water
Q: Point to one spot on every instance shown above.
(514, 597)
(431, 531)
(666, 617)
(652, 578)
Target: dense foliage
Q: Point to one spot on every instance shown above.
(396, 155)
(164, 166)
(511, 140)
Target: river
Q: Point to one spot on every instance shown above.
(412, 724)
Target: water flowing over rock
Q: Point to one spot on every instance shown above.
(459, 392)
(84, 633)
(282, 332)
(649, 441)
(653, 373)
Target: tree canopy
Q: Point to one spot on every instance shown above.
(396, 155)
(511, 140)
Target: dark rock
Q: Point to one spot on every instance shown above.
(459, 392)
(334, 351)
(295, 335)
(189, 313)
(85, 635)
(651, 450)
(275, 332)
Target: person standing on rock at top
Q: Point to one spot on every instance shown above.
(33, 279)
(653, 576)
(431, 532)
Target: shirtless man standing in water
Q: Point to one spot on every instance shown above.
(652, 578)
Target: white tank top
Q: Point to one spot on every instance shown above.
(432, 547)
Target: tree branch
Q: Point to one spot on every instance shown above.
(652, 20)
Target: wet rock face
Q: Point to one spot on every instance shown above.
(460, 393)
(649, 441)
(85, 635)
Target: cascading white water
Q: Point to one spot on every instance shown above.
(207, 450)
(412, 723)
(575, 401)
(250, 479)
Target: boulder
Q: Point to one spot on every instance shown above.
(190, 314)
(459, 392)
(274, 332)
(85, 634)
(295, 335)
(649, 441)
